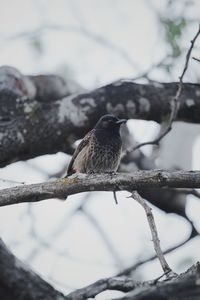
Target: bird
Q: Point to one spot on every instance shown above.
(100, 149)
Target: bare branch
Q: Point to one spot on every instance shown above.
(132, 268)
(21, 282)
(154, 233)
(175, 104)
(197, 59)
(186, 286)
(79, 183)
(117, 284)
(29, 117)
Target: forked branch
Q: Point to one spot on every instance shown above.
(154, 233)
(175, 103)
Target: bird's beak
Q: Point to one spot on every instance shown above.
(121, 121)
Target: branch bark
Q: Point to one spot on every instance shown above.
(79, 183)
(18, 282)
(175, 104)
(154, 233)
(172, 200)
(185, 286)
(105, 284)
(31, 110)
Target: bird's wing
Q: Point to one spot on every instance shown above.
(83, 144)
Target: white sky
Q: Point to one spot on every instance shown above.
(90, 56)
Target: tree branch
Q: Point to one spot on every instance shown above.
(154, 233)
(131, 269)
(31, 112)
(185, 286)
(19, 282)
(172, 199)
(112, 283)
(175, 103)
(105, 182)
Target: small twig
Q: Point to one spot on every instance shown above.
(79, 183)
(197, 59)
(161, 276)
(132, 268)
(175, 104)
(154, 233)
(11, 181)
(115, 197)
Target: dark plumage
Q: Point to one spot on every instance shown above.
(100, 149)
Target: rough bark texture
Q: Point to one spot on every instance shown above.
(31, 112)
(18, 282)
(186, 287)
(79, 183)
(47, 108)
(16, 138)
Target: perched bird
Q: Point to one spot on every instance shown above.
(100, 149)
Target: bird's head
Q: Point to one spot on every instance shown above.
(109, 122)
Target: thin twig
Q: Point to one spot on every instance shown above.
(175, 104)
(132, 268)
(197, 59)
(159, 277)
(115, 197)
(166, 269)
(11, 181)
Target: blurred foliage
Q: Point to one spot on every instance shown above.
(174, 23)
(173, 32)
(36, 44)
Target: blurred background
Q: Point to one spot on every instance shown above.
(92, 43)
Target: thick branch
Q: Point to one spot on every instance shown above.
(18, 282)
(32, 124)
(105, 182)
(185, 286)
